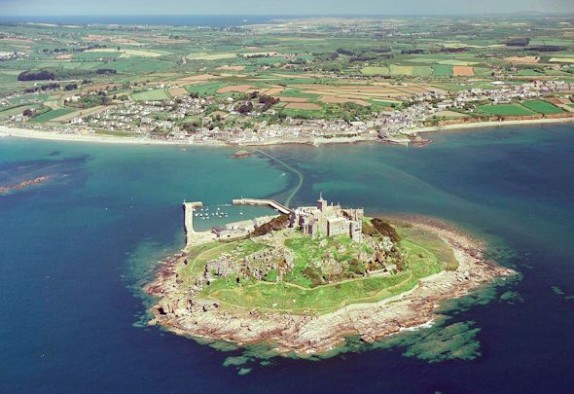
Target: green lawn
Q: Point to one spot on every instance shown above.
(542, 107)
(505, 110)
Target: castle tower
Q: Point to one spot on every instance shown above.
(321, 204)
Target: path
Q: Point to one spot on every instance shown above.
(293, 170)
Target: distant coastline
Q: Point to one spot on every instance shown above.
(9, 131)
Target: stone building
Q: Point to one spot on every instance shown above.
(329, 220)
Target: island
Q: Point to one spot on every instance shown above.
(305, 279)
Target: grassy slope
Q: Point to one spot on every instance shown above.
(425, 255)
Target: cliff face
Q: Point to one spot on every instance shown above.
(185, 313)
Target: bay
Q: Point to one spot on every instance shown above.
(74, 251)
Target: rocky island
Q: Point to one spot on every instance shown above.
(306, 279)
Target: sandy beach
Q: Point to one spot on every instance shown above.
(480, 125)
(6, 131)
(316, 334)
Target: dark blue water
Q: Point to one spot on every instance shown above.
(72, 250)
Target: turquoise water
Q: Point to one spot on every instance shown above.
(74, 251)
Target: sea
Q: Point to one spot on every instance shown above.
(152, 20)
(75, 252)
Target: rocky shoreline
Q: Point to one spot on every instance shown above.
(309, 335)
(23, 185)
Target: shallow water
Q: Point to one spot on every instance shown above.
(73, 250)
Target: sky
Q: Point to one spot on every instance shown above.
(278, 7)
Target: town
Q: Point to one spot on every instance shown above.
(160, 119)
(345, 81)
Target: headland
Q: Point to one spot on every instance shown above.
(303, 281)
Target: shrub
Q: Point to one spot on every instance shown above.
(386, 229)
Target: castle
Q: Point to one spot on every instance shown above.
(329, 220)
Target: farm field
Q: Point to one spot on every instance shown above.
(151, 95)
(327, 65)
(464, 71)
(375, 71)
(562, 60)
(51, 115)
(527, 72)
(210, 56)
(506, 110)
(13, 111)
(304, 106)
(442, 70)
(542, 107)
(444, 60)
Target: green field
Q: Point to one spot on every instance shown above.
(323, 52)
(208, 88)
(414, 71)
(442, 70)
(298, 93)
(542, 107)
(375, 71)
(139, 66)
(505, 110)
(301, 113)
(394, 69)
(13, 111)
(442, 60)
(93, 55)
(53, 114)
(151, 95)
(528, 72)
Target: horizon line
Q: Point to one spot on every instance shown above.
(506, 13)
